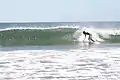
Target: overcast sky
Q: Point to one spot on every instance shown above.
(59, 10)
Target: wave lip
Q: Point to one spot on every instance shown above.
(40, 28)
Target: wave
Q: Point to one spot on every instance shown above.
(62, 35)
(36, 36)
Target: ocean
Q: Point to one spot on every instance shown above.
(56, 51)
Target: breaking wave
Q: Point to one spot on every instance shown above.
(20, 36)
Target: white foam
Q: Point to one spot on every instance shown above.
(42, 28)
(96, 32)
(56, 64)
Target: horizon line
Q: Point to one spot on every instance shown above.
(52, 21)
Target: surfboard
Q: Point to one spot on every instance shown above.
(87, 42)
(96, 42)
(81, 40)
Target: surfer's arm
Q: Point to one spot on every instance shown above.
(84, 37)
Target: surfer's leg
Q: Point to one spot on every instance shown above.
(90, 38)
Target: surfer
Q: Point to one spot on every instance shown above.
(90, 36)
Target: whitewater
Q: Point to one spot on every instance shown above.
(86, 63)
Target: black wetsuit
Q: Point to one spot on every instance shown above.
(90, 36)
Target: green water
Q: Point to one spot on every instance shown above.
(36, 37)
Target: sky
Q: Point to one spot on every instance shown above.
(59, 10)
